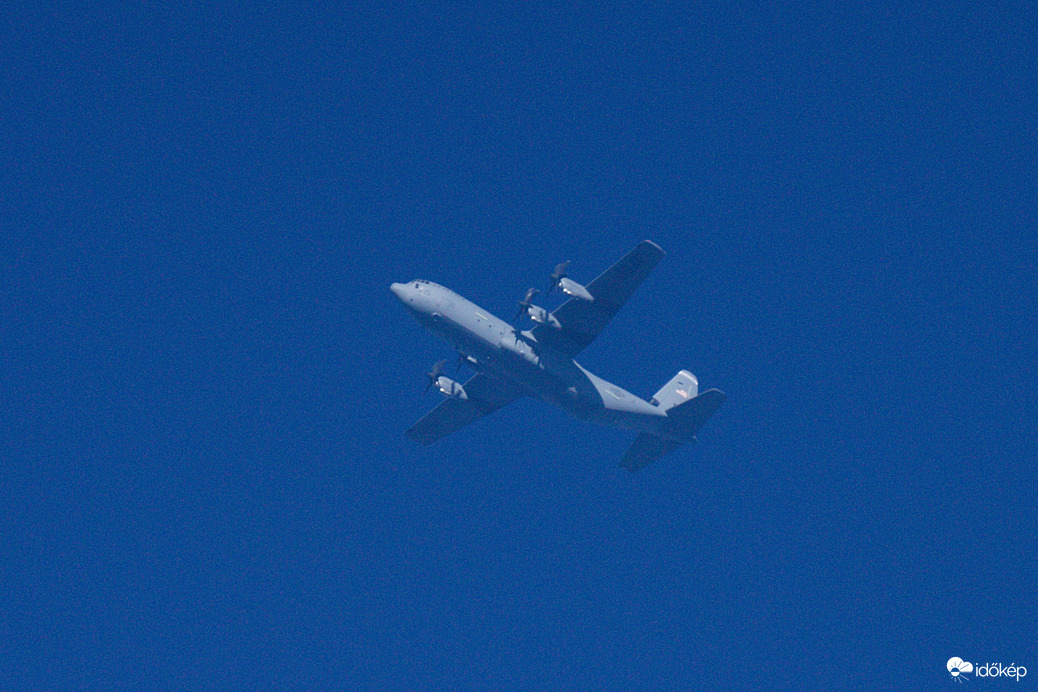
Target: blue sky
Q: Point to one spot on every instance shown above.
(206, 378)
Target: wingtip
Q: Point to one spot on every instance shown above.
(716, 393)
(412, 435)
(650, 244)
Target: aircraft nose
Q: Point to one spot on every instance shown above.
(398, 290)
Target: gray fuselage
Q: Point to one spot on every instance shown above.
(494, 347)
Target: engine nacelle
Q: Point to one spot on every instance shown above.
(542, 316)
(450, 388)
(572, 288)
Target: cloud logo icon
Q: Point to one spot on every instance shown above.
(956, 666)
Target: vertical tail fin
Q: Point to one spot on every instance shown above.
(681, 388)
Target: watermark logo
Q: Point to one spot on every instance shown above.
(958, 668)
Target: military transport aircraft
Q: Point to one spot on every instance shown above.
(511, 362)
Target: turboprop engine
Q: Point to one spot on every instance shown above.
(450, 388)
(572, 288)
(542, 316)
(569, 286)
(446, 385)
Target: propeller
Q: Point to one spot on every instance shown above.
(435, 373)
(558, 275)
(525, 304)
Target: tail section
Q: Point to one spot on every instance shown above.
(687, 409)
(687, 412)
(681, 388)
(646, 449)
(685, 420)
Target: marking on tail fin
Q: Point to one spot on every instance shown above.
(678, 390)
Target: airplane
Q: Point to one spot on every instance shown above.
(511, 362)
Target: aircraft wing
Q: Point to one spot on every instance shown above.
(485, 395)
(583, 320)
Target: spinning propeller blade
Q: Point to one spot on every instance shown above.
(557, 275)
(524, 304)
(435, 373)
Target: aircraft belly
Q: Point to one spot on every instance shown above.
(554, 378)
(628, 420)
(484, 344)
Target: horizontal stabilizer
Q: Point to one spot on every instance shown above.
(689, 417)
(645, 450)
